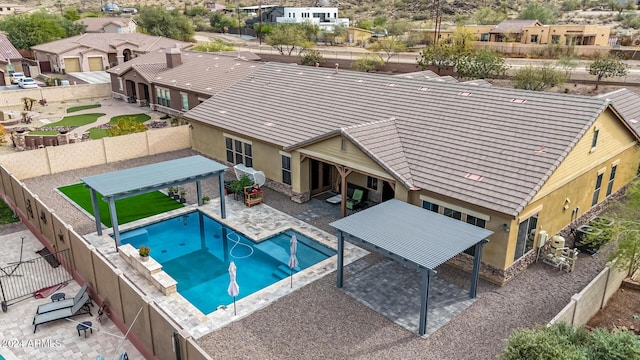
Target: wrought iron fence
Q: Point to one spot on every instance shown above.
(36, 277)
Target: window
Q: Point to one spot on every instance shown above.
(484, 37)
(534, 38)
(452, 213)
(555, 39)
(185, 101)
(594, 142)
(430, 206)
(372, 183)
(612, 176)
(476, 221)
(526, 236)
(596, 192)
(286, 169)
(164, 97)
(120, 84)
(238, 152)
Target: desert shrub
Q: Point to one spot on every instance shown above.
(310, 57)
(367, 63)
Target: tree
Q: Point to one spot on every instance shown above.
(220, 22)
(390, 45)
(485, 63)
(439, 55)
(536, 11)
(462, 40)
(155, 20)
(310, 57)
(365, 24)
(367, 63)
(562, 341)
(27, 30)
(71, 14)
(127, 125)
(487, 16)
(538, 78)
(287, 37)
(604, 66)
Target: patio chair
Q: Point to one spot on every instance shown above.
(53, 306)
(356, 199)
(79, 308)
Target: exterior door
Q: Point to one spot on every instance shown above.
(321, 176)
(71, 65)
(95, 63)
(526, 236)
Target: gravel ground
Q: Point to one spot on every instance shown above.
(320, 321)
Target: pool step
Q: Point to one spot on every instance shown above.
(274, 251)
(283, 271)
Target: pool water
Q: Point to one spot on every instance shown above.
(196, 250)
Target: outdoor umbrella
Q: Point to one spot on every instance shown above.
(233, 289)
(293, 260)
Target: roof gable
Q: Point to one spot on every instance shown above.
(493, 147)
(627, 104)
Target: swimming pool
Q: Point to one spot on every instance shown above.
(196, 250)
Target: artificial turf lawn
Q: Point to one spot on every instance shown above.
(96, 133)
(129, 209)
(83, 107)
(76, 120)
(7, 215)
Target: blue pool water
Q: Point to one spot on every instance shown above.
(196, 250)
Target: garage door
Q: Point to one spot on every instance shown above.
(95, 63)
(71, 65)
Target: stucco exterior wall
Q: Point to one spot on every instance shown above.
(12, 98)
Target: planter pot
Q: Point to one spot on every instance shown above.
(144, 258)
(183, 200)
(170, 194)
(176, 197)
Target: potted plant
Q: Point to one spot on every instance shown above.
(171, 191)
(183, 193)
(144, 252)
(176, 193)
(205, 199)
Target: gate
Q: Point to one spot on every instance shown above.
(38, 277)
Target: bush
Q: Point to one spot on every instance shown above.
(310, 57)
(367, 63)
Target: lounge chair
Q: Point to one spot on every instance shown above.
(356, 199)
(79, 308)
(57, 305)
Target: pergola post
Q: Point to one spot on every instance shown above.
(199, 192)
(222, 197)
(340, 258)
(425, 285)
(344, 172)
(475, 274)
(114, 221)
(96, 210)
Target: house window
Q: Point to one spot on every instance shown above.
(164, 97)
(238, 152)
(476, 221)
(596, 192)
(555, 39)
(185, 101)
(612, 176)
(120, 84)
(534, 38)
(286, 169)
(372, 183)
(484, 37)
(430, 206)
(452, 213)
(594, 141)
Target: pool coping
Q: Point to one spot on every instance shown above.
(257, 223)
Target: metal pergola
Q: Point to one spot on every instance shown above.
(143, 179)
(413, 236)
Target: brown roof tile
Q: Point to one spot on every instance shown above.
(107, 42)
(7, 50)
(627, 104)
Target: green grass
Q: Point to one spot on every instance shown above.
(137, 117)
(7, 216)
(76, 120)
(96, 133)
(43, 132)
(129, 209)
(83, 107)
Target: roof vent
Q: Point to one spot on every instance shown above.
(300, 73)
(392, 85)
(422, 88)
(328, 77)
(519, 101)
(633, 121)
(359, 81)
(540, 150)
(474, 177)
(269, 123)
(207, 88)
(463, 93)
(222, 111)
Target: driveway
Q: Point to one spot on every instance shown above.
(92, 77)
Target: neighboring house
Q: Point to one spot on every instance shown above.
(514, 162)
(173, 81)
(120, 25)
(97, 51)
(10, 60)
(213, 6)
(357, 36)
(324, 17)
(11, 9)
(512, 30)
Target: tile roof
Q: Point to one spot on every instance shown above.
(627, 104)
(97, 24)
(513, 26)
(489, 146)
(424, 74)
(204, 73)
(7, 50)
(107, 42)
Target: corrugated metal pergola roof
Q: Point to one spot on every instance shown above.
(418, 235)
(153, 175)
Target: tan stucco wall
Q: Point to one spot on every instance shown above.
(12, 98)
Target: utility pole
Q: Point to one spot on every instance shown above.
(238, 11)
(260, 22)
(436, 32)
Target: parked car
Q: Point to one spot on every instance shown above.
(16, 76)
(27, 83)
(598, 8)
